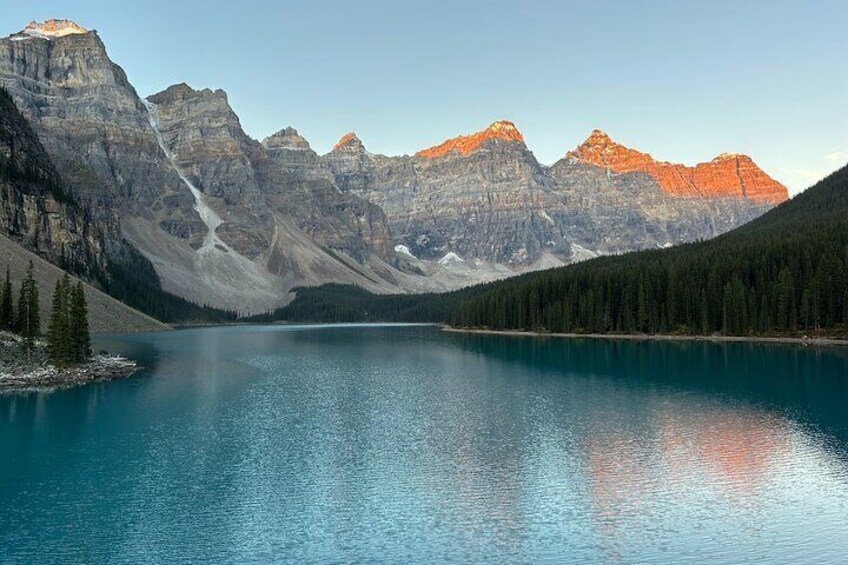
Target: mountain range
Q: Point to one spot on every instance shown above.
(172, 186)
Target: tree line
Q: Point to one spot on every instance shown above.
(68, 335)
(344, 303)
(784, 273)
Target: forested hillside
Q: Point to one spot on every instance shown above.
(785, 272)
(342, 303)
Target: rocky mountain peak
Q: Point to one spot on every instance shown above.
(731, 157)
(182, 91)
(286, 138)
(349, 142)
(49, 29)
(465, 144)
(600, 149)
(599, 137)
(729, 174)
(175, 91)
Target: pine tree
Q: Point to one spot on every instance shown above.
(28, 320)
(7, 309)
(80, 338)
(59, 345)
(845, 309)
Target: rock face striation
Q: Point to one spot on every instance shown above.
(262, 191)
(484, 197)
(233, 222)
(36, 209)
(95, 128)
(729, 174)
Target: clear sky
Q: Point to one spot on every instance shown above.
(682, 80)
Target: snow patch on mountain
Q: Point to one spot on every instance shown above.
(207, 214)
(404, 250)
(580, 253)
(220, 267)
(450, 259)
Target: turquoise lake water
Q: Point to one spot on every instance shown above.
(411, 445)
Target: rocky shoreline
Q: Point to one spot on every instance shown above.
(805, 340)
(19, 373)
(100, 368)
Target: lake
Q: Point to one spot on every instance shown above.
(407, 444)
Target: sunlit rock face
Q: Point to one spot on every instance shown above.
(465, 144)
(53, 28)
(476, 195)
(728, 175)
(349, 142)
(484, 196)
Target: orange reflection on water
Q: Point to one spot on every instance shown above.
(680, 451)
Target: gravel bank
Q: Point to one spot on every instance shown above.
(19, 373)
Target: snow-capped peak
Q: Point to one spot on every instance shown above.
(49, 29)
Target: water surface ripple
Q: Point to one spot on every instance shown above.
(410, 445)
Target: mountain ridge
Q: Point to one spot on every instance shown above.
(728, 174)
(225, 218)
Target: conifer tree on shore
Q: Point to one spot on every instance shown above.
(80, 338)
(68, 339)
(58, 332)
(28, 321)
(7, 308)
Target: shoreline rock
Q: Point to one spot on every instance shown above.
(19, 372)
(803, 340)
(49, 377)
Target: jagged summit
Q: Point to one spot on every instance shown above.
(599, 135)
(286, 138)
(726, 156)
(465, 144)
(728, 174)
(48, 29)
(182, 91)
(349, 141)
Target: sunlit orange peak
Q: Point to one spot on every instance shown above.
(728, 175)
(349, 138)
(465, 144)
(54, 28)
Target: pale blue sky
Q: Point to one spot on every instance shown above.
(683, 81)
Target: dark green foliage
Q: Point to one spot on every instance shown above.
(133, 281)
(79, 336)
(58, 330)
(28, 322)
(68, 338)
(347, 303)
(7, 309)
(23, 165)
(783, 273)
